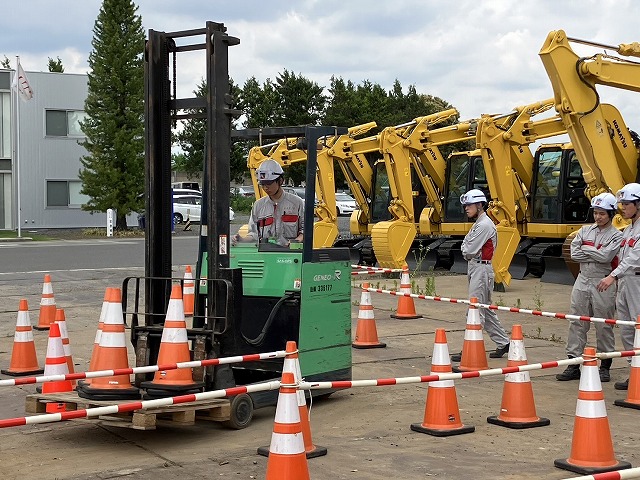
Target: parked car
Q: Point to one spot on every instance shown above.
(185, 191)
(186, 185)
(345, 204)
(189, 206)
(245, 191)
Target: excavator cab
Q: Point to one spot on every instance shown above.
(558, 187)
(465, 171)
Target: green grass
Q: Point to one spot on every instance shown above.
(24, 233)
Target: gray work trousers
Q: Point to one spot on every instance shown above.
(586, 300)
(480, 277)
(628, 307)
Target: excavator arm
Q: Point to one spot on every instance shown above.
(603, 143)
(508, 162)
(392, 239)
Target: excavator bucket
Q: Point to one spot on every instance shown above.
(324, 234)
(392, 241)
(508, 240)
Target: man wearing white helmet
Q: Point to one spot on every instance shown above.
(627, 273)
(595, 248)
(477, 248)
(279, 216)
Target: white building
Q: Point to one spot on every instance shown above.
(43, 178)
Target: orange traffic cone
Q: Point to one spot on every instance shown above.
(441, 414)
(24, 360)
(518, 409)
(112, 354)
(287, 459)
(47, 305)
(406, 308)
(56, 364)
(633, 392)
(292, 364)
(591, 447)
(64, 334)
(474, 356)
(188, 291)
(174, 348)
(98, 337)
(366, 331)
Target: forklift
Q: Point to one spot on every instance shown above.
(253, 297)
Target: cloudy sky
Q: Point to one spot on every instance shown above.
(479, 55)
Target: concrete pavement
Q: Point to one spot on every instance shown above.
(366, 429)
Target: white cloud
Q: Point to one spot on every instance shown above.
(479, 55)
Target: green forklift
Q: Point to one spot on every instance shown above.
(251, 298)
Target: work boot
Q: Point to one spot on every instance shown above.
(456, 357)
(572, 372)
(605, 365)
(499, 352)
(621, 385)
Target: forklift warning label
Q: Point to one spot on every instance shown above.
(222, 245)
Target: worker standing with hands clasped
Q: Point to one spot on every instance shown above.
(595, 248)
(278, 217)
(627, 273)
(477, 248)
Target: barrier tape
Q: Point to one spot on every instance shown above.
(538, 313)
(616, 475)
(146, 369)
(140, 405)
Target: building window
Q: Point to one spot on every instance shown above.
(5, 124)
(65, 193)
(64, 123)
(5, 80)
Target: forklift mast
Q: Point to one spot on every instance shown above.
(162, 109)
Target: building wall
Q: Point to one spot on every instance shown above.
(44, 158)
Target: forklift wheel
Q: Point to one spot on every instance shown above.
(241, 412)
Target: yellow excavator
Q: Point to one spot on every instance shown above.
(606, 148)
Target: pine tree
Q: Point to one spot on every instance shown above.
(55, 65)
(113, 174)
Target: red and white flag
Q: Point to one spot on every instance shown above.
(22, 84)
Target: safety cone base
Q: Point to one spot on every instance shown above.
(565, 465)
(85, 391)
(541, 422)
(619, 403)
(439, 432)
(154, 390)
(22, 373)
(40, 329)
(318, 451)
(404, 317)
(460, 369)
(368, 345)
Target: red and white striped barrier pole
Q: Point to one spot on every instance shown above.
(146, 369)
(435, 377)
(538, 313)
(376, 272)
(128, 407)
(376, 269)
(616, 475)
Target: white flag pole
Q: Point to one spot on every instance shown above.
(17, 158)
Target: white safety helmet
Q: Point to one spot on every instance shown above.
(473, 196)
(629, 193)
(605, 201)
(269, 170)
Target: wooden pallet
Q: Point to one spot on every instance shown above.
(216, 410)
